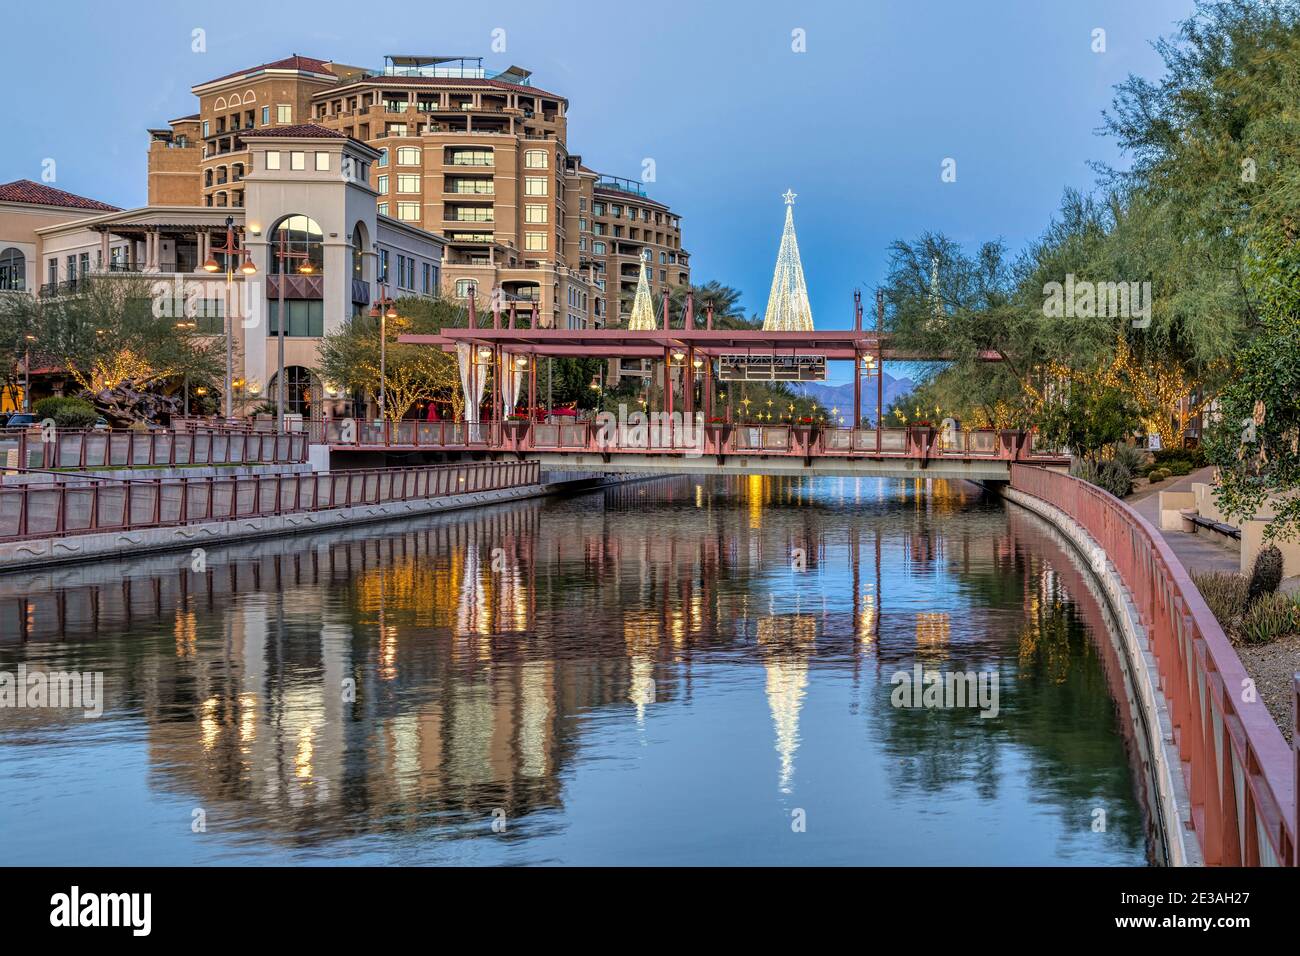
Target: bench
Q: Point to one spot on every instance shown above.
(1219, 527)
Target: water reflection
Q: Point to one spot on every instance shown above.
(660, 672)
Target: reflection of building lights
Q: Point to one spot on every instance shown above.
(867, 619)
(306, 750)
(932, 628)
(209, 727)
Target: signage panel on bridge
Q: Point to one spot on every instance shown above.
(772, 368)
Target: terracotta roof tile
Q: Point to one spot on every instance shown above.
(298, 130)
(295, 62)
(26, 191)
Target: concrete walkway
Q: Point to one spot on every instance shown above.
(1270, 665)
(1198, 552)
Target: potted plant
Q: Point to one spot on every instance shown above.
(516, 424)
(718, 429)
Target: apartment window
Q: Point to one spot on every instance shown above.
(85, 264)
(297, 160)
(582, 204)
(598, 248)
(465, 288)
(210, 316)
(408, 183)
(470, 157)
(408, 156)
(600, 284)
(598, 209)
(266, 116)
(535, 186)
(322, 162)
(535, 159)
(535, 241)
(582, 244)
(535, 213)
(272, 160)
(53, 271)
(426, 288)
(304, 318)
(382, 267)
(383, 157)
(582, 225)
(408, 211)
(383, 184)
(283, 113)
(396, 129)
(383, 209)
(470, 186)
(616, 210)
(470, 214)
(663, 258)
(470, 236)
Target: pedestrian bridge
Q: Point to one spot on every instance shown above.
(678, 446)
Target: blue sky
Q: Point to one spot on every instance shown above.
(858, 125)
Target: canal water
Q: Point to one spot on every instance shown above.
(751, 670)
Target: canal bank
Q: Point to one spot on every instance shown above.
(1171, 807)
(31, 553)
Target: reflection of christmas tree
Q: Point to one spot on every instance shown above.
(787, 304)
(643, 313)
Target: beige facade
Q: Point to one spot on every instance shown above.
(307, 199)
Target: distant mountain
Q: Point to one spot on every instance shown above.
(841, 396)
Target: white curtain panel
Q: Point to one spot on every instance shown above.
(510, 383)
(473, 397)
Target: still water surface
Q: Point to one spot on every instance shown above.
(674, 671)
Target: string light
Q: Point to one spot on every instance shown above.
(787, 304)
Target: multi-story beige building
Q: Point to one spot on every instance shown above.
(480, 158)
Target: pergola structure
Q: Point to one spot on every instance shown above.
(694, 350)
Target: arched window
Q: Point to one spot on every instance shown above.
(383, 157)
(13, 270)
(359, 251)
(408, 156)
(298, 391)
(295, 243)
(466, 288)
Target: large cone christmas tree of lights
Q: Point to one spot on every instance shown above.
(787, 304)
(643, 311)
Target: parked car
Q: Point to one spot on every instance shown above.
(21, 420)
(101, 424)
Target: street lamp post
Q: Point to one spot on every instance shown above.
(230, 250)
(383, 310)
(27, 371)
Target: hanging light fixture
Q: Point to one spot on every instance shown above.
(247, 267)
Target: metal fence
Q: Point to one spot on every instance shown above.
(1241, 775)
(84, 505)
(69, 448)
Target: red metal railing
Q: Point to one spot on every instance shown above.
(77, 448)
(685, 437)
(69, 505)
(1241, 776)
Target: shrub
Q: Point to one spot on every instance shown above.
(1225, 595)
(1130, 457)
(1107, 475)
(1195, 457)
(1157, 474)
(1178, 467)
(66, 412)
(1270, 617)
(1266, 575)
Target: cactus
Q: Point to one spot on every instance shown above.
(1267, 573)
